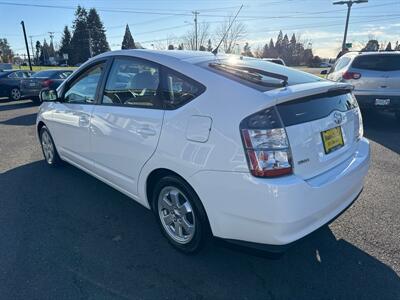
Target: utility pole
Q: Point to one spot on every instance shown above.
(196, 13)
(349, 4)
(26, 45)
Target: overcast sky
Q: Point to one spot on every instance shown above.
(152, 21)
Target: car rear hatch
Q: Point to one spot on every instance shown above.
(380, 74)
(322, 122)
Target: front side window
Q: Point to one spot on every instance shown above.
(83, 89)
(133, 82)
(180, 90)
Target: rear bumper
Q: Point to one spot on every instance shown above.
(368, 101)
(277, 212)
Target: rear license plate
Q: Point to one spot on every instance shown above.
(382, 102)
(332, 139)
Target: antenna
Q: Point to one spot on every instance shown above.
(215, 51)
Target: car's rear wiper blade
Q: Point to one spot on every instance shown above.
(252, 74)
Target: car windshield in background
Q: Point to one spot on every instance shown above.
(260, 74)
(43, 74)
(378, 62)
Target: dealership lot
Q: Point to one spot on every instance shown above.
(66, 235)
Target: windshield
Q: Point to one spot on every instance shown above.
(269, 76)
(43, 74)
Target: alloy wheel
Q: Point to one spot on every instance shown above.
(15, 94)
(176, 214)
(48, 147)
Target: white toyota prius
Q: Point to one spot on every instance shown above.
(215, 145)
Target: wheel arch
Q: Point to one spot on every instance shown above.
(159, 173)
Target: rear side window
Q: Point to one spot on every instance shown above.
(378, 62)
(179, 89)
(341, 63)
(133, 82)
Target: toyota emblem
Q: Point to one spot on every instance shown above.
(338, 118)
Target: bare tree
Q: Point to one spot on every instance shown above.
(203, 34)
(237, 31)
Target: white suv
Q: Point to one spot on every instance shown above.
(375, 76)
(238, 148)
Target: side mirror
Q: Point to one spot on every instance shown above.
(47, 95)
(324, 72)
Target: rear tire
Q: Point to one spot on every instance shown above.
(49, 148)
(180, 214)
(15, 94)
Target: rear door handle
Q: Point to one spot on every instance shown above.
(146, 131)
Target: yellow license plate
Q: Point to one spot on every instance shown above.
(332, 139)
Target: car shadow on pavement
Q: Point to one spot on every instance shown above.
(24, 120)
(6, 104)
(69, 236)
(382, 128)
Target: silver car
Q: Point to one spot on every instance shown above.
(375, 76)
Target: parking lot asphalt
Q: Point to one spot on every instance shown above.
(66, 235)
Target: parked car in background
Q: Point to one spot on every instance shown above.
(10, 82)
(51, 79)
(278, 61)
(325, 65)
(252, 152)
(375, 77)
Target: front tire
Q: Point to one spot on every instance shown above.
(15, 94)
(180, 214)
(49, 148)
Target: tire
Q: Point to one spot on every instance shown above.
(15, 94)
(180, 214)
(49, 150)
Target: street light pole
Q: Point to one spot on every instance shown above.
(26, 44)
(349, 4)
(195, 28)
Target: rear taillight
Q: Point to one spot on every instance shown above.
(266, 144)
(359, 131)
(351, 75)
(47, 83)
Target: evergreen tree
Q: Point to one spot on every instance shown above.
(65, 47)
(80, 49)
(202, 48)
(292, 51)
(279, 41)
(171, 47)
(6, 54)
(98, 39)
(265, 52)
(38, 48)
(180, 47)
(128, 42)
(44, 53)
(209, 46)
(389, 47)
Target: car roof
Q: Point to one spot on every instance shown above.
(185, 55)
(354, 54)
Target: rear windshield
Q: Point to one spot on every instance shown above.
(293, 76)
(315, 107)
(43, 74)
(378, 62)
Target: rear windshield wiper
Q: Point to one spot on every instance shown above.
(252, 74)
